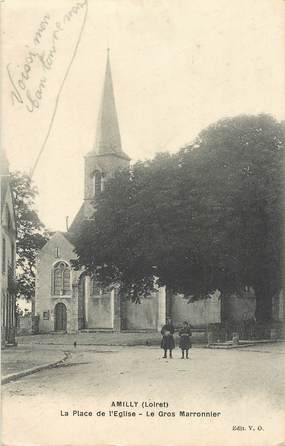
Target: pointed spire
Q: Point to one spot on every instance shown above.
(108, 139)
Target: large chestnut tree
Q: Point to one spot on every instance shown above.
(208, 217)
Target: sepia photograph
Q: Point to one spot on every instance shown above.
(142, 202)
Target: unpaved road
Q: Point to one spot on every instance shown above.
(245, 385)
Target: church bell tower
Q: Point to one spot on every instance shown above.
(106, 155)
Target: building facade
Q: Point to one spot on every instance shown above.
(8, 255)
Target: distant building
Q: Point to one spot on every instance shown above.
(8, 255)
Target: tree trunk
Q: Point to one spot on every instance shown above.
(169, 294)
(224, 307)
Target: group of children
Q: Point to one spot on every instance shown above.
(168, 343)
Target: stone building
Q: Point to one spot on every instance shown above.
(68, 300)
(8, 255)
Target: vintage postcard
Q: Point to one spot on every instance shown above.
(141, 238)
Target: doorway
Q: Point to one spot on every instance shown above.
(60, 321)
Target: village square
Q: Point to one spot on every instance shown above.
(78, 328)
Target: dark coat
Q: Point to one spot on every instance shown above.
(167, 341)
(185, 342)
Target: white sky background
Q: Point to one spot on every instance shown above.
(177, 65)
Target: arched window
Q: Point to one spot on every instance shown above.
(61, 279)
(97, 183)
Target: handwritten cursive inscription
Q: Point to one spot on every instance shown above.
(30, 80)
(43, 26)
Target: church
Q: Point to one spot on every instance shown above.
(69, 301)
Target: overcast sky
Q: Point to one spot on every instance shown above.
(177, 65)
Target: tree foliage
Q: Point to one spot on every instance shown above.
(31, 234)
(206, 218)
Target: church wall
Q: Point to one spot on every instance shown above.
(117, 310)
(197, 313)
(142, 316)
(111, 164)
(45, 301)
(208, 311)
(101, 311)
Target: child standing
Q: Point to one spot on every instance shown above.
(185, 343)
(167, 342)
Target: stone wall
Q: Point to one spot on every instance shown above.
(140, 316)
(101, 311)
(24, 325)
(197, 313)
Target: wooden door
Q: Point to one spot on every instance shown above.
(60, 317)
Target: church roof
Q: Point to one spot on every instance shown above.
(76, 224)
(108, 138)
(70, 236)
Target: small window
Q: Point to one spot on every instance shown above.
(46, 315)
(57, 253)
(97, 183)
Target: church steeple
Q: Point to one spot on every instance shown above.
(106, 156)
(108, 138)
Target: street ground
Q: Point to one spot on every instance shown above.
(25, 357)
(105, 338)
(35, 351)
(245, 385)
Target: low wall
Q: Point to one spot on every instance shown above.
(24, 325)
(100, 311)
(197, 313)
(140, 316)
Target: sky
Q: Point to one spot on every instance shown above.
(177, 66)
